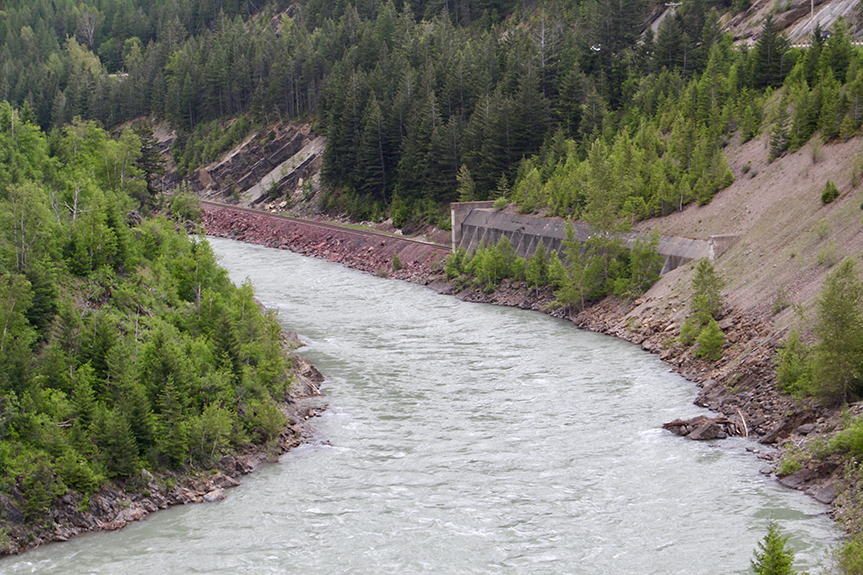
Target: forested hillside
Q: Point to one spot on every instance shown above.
(122, 344)
(428, 102)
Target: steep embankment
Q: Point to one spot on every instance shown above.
(382, 254)
(788, 242)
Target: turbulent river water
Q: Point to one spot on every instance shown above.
(464, 438)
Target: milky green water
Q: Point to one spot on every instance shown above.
(464, 438)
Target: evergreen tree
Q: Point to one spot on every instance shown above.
(150, 162)
(839, 329)
(706, 286)
(770, 56)
(773, 557)
(537, 266)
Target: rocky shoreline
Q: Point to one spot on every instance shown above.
(121, 503)
(740, 388)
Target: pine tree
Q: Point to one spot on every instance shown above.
(706, 286)
(466, 185)
(769, 57)
(150, 162)
(773, 557)
(779, 138)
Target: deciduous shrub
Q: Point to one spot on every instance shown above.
(794, 366)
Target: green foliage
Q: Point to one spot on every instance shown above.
(429, 101)
(829, 193)
(149, 161)
(849, 558)
(186, 206)
(794, 366)
(39, 485)
(838, 373)
(537, 266)
(501, 203)
(466, 185)
(455, 263)
(645, 263)
(691, 328)
(263, 420)
(706, 302)
(210, 434)
(710, 342)
(849, 440)
(773, 556)
(209, 141)
(397, 262)
(706, 289)
(790, 463)
(121, 346)
(587, 271)
(828, 255)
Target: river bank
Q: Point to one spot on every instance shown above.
(123, 502)
(740, 387)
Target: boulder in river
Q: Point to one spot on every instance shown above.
(702, 427)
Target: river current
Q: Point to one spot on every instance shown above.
(464, 438)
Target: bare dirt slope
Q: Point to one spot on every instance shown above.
(788, 238)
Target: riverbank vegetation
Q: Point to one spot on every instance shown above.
(584, 272)
(123, 345)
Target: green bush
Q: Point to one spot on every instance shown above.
(706, 286)
(399, 212)
(186, 206)
(849, 557)
(829, 193)
(691, 328)
(455, 263)
(849, 440)
(397, 262)
(264, 420)
(788, 466)
(710, 342)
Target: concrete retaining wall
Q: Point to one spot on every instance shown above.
(475, 222)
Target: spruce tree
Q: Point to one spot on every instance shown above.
(706, 286)
(769, 57)
(773, 557)
(150, 162)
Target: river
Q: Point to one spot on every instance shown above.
(464, 438)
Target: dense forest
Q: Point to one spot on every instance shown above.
(561, 106)
(123, 344)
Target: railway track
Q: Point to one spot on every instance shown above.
(329, 226)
